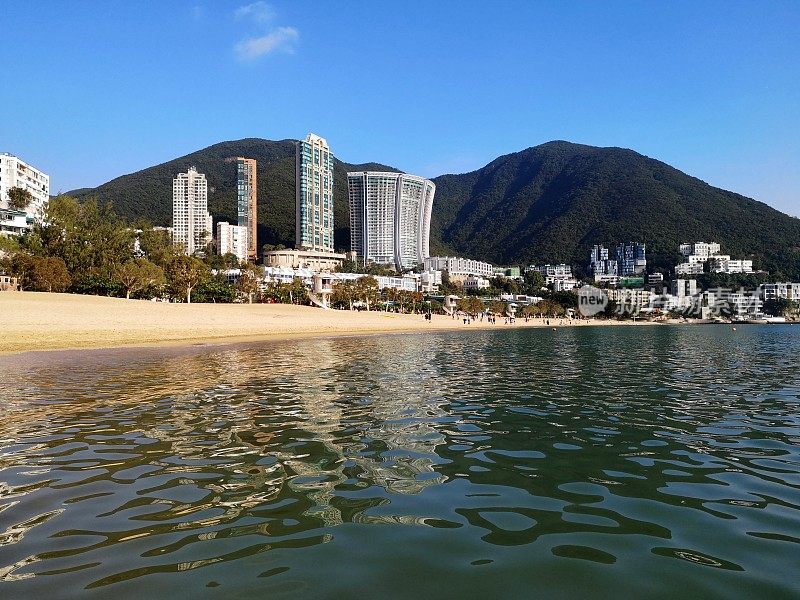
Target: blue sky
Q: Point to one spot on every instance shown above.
(101, 89)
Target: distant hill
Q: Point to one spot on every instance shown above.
(553, 202)
(547, 203)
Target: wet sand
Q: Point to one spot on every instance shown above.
(39, 321)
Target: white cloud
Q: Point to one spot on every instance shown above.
(281, 39)
(260, 12)
(274, 39)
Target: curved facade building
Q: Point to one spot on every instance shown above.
(390, 217)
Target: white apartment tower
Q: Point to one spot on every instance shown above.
(390, 217)
(16, 173)
(191, 223)
(233, 239)
(314, 195)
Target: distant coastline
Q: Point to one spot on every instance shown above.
(40, 321)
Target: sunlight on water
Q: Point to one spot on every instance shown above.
(633, 461)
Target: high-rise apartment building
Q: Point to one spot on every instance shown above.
(314, 195)
(191, 222)
(599, 263)
(14, 172)
(631, 259)
(247, 202)
(390, 217)
(232, 239)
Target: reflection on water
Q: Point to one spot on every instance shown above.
(634, 460)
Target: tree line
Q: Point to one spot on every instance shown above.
(85, 248)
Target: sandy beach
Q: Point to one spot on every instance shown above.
(41, 321)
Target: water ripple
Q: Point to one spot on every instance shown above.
(407, 464)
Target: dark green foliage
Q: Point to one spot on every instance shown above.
(779, 307)
(19, 198)
(39, 273)
(89, 238)
(96, 285)
(732, 281)
(549, 203)
(215, 289)
(370, 268)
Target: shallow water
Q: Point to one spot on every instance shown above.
(602, 462)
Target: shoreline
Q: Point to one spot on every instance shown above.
(45, 322)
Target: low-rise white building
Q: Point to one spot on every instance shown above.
(700, 254)
(399, 282)
(631, 301)
(8, 283)
(429, 281)
(551, 273)
(14, 172)
(287, 275)
(746, 305)
(564, 285)
(684, 287)
(14, 222)
(520, 298)
(232, 239)
(303, 259)
(700, 249)
(473, 283)
(457, 267)
(724, 264)
(607, 279)
(688, 269)
(776, 291)
(741, 305)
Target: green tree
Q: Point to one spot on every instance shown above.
(348, 266)
(216, 289)
(20, 265)
(498, 307)
(533, 282)
(49, 274)
(277, 292)
(298, 292)
(611, 310)
(186, 272)
(504, 285)
(138, 274)
(156, 245)
(249, 283)
(9, 245)
(448, 286)
(19, 198)
(344, 294)
(778, 307)
(549, 308)
(367, 290)
(470, 305)
(90, 239)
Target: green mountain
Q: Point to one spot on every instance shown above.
(548, 203)
(553, 202)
